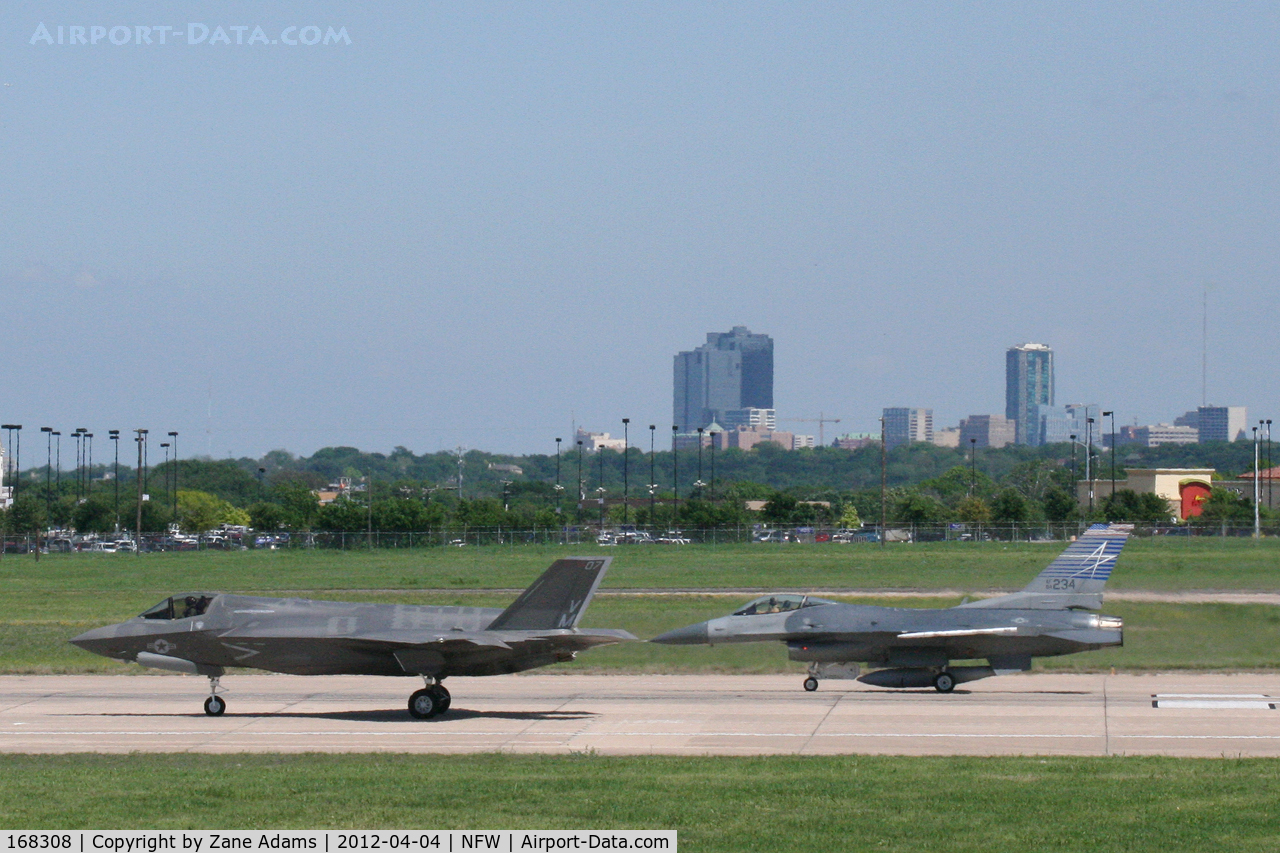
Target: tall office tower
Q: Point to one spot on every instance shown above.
(1222, 423)
(903, 426)
(1028, 384)
(732, 370)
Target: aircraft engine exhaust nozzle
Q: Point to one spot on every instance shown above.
(690, 635)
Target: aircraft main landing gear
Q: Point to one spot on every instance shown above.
(811, 684)
(214, 706)
(430, 701)
(944, 682)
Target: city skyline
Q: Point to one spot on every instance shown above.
(482, 225)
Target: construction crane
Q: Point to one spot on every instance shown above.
(821, 420)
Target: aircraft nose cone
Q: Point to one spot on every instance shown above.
(96, 640)
(687, 636)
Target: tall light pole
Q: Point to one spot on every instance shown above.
(17, 458)
(48, 469)
(146, 462)
(713, 435)
(165, 445)
(653, 483)
(699, 484)
(675, 478)
(626, 481)
(559, 488)
(973, 465)
(173, 436)
(8, 461)
(88, 476)
(884, 483)
(600, 490)
(1074, 479)
(75, 435)
(1257, 526)
(1270, 475)
(1112, 415)
(58, 448)
(139, 435)
(14, 462)
(581, 495)
(81, 432)
(114, 435)
(1088, 459)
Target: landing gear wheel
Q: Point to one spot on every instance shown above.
(442, 697)
(214, 706)
(424, 704)
(944, 682)
(811, 684)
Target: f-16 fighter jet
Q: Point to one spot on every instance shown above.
(914, 647)
(205, 633)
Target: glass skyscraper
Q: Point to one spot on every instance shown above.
(732, 370)
(1028, 385)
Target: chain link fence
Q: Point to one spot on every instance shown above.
(593, 536)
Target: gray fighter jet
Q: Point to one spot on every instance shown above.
(205, 633)
(914, 647)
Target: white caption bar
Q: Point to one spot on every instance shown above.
(334, 841)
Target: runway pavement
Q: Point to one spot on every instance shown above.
(1041, 714)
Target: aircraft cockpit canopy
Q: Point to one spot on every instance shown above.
(179, 607)
(779, 604)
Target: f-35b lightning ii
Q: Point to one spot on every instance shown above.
(205, 633)
(914, 647)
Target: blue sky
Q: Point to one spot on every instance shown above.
(480, 223)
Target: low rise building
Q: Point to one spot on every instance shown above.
(987, 431)
(905, 426)
(1154, 435)
(593, 441)
(856, 440)
(1185, 489)
(949, 437)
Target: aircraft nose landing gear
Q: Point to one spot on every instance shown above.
(430, 701)
(214, 706)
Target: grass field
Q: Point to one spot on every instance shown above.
(1148, 564)
(717, 804)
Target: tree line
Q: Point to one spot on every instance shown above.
(403, 491)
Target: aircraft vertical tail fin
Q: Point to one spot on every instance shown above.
(1075, 578)
(558, 598)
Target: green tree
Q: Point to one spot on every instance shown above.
(400, 514)
(342, 516)
(301, 504)
(96, 514)
(849, 517)
(974, 511)
(1128, 505)
(1010, 507)
(1059, 505)
(1226, 507)
(915, 508)
(268, 516)
(200, 511)
(27, 515)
